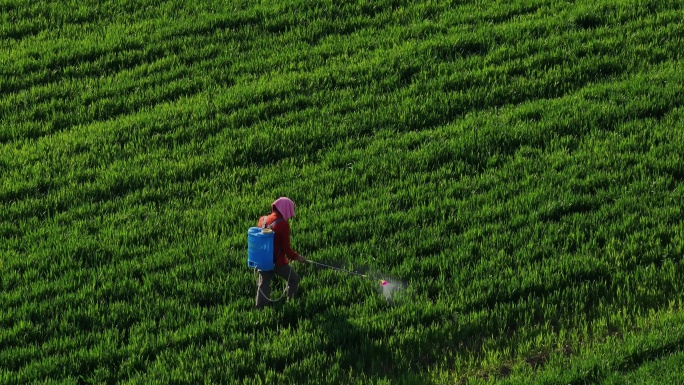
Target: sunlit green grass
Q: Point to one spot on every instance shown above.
(518, 165)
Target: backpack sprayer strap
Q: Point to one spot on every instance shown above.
(270, 227)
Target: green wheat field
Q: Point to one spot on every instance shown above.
(515, 167)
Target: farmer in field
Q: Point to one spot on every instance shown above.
(282, 211)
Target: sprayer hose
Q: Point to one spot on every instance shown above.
(256, 274)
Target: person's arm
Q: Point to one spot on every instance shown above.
(285, 243)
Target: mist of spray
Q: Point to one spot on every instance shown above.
(389, 287)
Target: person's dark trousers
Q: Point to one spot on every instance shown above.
(264, 285)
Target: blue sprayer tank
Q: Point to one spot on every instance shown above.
(260, 248)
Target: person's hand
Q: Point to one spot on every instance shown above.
(301, 259)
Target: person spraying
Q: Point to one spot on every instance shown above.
(278, 221)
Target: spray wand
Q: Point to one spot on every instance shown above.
(384, 282)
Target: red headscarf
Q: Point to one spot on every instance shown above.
(285, 206)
